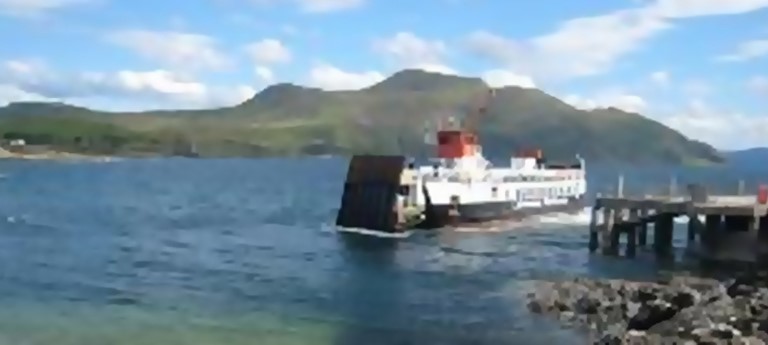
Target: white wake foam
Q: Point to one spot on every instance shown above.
(374, 233)
(580, 218)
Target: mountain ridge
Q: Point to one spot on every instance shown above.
(385, 118)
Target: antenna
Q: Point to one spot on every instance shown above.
(470, 122)
(429, 132)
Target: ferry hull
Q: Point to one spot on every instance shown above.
(438, 216)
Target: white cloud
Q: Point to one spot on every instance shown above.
(11, 93)
(589, 46)
(747, 51)
(721, 129)
(25, 80)
(268, 51)
(608, 98)
(592, 45)
(660, 78)
(323, 6)
(434, 68)
(315, 6)
(265, 74)
(697, 8)
(407, 50)
(289, 30)
(26, 8)
(501, 78)
(759, 84)
(331, 78)
(697, 88)
(176, 50)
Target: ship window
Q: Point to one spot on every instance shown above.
(494, 191)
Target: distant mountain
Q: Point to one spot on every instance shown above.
(752, 156)
(389, 117)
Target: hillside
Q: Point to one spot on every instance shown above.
(389, 117)
(757, 156)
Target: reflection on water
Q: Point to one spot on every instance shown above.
(244, 252)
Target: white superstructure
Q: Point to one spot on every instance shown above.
(461, 172)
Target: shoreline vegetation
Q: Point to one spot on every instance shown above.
(396, 116)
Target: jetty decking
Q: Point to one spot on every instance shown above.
(734, 227)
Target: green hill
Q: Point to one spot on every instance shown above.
(389, 117)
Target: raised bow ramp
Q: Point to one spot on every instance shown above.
(369, 200)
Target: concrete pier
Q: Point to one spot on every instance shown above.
(733, 228)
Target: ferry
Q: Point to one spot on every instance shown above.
(460, 186)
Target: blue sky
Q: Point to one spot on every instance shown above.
(699, 66)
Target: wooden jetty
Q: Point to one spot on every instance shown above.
(735, 227)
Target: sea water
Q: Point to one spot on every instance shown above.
(244, 251)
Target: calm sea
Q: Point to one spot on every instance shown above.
(180, 251)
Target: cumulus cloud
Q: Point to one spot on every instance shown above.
(660, 78)
(746, 51)
(592, 45)
(698, 8)
(697, 88)
(265, 74)
(332, 78)
(27, 8)
(33, 81)
(268, 52)
(324, 6)
(11, 93)
(176, 50)
(501, 78)
(406, 50)
(315, 6)
(721, 129)
(608, 98)
(759, 84)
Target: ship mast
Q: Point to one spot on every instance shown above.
(472, 119)
(462, 142)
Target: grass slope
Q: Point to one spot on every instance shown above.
(389, 117)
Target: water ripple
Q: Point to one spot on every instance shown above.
(234, 250)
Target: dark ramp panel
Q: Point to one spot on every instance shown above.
(370, 192)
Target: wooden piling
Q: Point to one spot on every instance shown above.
(642, 233)
(618, 228)
(712, 229)
(593, 230)
(607, 231)
(694, 226)
(631, 230)
(662, 233)
(762, 241)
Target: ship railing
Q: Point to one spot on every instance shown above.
(458, 177)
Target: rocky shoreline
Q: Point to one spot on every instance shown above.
(683, 310)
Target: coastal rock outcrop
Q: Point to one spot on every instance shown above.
(684, 310)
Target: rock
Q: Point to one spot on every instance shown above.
(683, 310)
